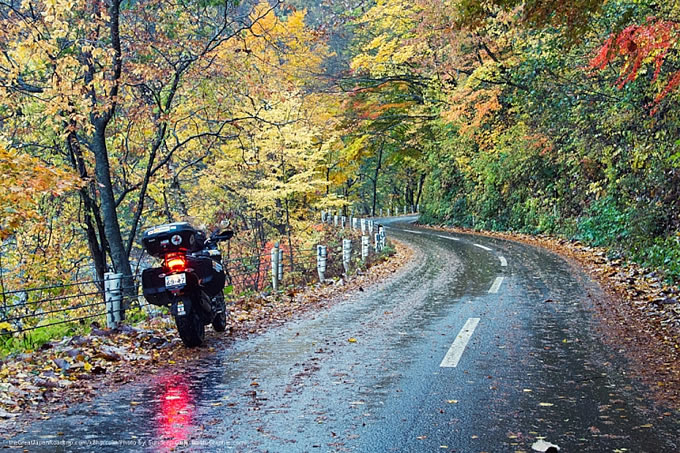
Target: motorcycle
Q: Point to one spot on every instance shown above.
(190, 280)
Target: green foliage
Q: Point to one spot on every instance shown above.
(605, 224)
(135, 315)
(33, 339)
(660, 253)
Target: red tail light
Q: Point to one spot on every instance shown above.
(175, 263)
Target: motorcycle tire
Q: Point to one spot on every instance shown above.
(191, 329)
(220, 321)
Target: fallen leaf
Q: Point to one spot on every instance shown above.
(543, 446)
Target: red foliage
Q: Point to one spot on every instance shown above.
(636, 44)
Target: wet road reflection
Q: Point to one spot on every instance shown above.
(175, 413)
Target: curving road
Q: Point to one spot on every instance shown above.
(477, 345)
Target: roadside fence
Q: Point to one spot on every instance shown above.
(107, 300)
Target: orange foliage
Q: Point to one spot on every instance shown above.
(25, 180)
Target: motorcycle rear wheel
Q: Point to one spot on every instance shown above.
(191, 329)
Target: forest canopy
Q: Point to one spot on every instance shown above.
(534, 116)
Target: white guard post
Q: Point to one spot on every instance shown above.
(365, 247)
(371, 224)
(275, 267)
(321, 258)
(343, 220)
(113, 296)
(335, 221)
(363, 226)
(346, 254)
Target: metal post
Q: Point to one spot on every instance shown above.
(355, 223)
(281, 265)
(371, 224)
(275, 267)
(376, 243)
(113, 296)
(365, 247)
(381, 233)
(346, 254)
(343, 220)
(321, 256)
(335, 221)
(404, 209)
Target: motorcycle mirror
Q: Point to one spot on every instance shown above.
(224, 235)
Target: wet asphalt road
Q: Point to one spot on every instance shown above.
(532, 368)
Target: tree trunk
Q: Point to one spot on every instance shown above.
(97, 247)
(375, 178)
(420, 188)
(119, 257)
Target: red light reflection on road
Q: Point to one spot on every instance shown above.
(175, 415)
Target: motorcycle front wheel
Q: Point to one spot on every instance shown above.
(220, 321)
(191, 329)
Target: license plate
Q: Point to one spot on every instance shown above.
(175, 280)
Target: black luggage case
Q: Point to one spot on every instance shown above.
(172, 237)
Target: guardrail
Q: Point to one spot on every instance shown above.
(33, 308)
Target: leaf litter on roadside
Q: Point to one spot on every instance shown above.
(78, 368)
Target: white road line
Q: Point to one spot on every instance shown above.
(482, 247)
(455, 352)
(496, 285)
(448, 237)
(414, 232)
(504, 262)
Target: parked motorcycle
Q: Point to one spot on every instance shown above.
(190, 280)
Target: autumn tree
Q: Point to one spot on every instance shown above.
(110, 84)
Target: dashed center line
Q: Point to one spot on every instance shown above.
(496, 285)
(414, 232)
(504, 262)
(483, 247)
(448, 237)
(456, 350)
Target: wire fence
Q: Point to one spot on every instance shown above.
(42, 307)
